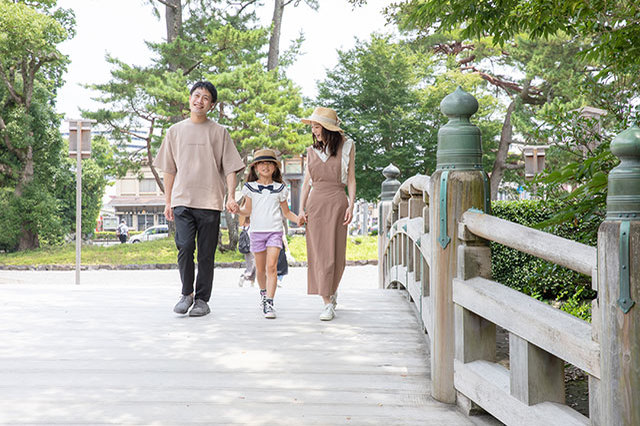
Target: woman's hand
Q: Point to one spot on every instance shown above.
(302, 219)
(348, 215)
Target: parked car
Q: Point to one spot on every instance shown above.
(152, 233)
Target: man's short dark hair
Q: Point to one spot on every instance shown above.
(209, 87)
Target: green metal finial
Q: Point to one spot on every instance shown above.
(391, 184)
(623, 198)
(459, 143)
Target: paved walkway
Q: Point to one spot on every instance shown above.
(111, 351)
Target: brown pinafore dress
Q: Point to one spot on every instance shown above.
(326, 235)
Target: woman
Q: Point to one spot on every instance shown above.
(327, 210)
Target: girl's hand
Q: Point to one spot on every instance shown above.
(301, 220)
(348, 216)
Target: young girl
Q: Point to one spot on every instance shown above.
(266, 197)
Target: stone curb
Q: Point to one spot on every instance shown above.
(150, 266)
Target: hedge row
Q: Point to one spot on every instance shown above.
(110, 235)
(531, 275)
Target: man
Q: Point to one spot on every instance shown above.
(123, 232)
(197, 156)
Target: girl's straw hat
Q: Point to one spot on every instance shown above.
(326, 117)
(265, 154)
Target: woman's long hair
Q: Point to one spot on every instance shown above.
(253, 176)
(332, 141)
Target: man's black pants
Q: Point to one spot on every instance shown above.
(199, 225)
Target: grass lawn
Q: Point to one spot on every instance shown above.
(162, 251)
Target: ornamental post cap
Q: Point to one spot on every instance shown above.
(391, 172)
(459, 104)
(623, 196)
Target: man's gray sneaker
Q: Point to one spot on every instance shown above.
(183, 304)
(200, 308)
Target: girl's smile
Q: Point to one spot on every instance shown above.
(264, 170)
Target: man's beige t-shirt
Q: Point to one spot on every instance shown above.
(200, 155)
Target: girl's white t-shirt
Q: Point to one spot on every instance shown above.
(266, 215)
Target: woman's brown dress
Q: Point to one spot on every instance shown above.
(326, 235)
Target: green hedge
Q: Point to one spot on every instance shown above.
(110, 235)
(534, 276)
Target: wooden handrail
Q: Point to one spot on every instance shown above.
(415, 184)
(573, 255)
(555, 331)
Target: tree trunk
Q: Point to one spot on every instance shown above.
(232, 227)
(173, 19)
(274, 42)
(500, 162)
(28, 240)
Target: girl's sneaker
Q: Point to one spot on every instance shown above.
(263, 298)
(269, 311)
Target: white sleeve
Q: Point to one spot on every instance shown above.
(245, 191)
(346, 150)
(282, 195)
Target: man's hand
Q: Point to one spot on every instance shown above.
(232, 206)
(168, 212)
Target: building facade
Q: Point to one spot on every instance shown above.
(138, 200)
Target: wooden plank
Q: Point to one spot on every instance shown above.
(487, 384)
(465, 189)
(413, 288)
(427, 314)
(557, 332)
(103, 353)
(570, 254)
(536, 375)
(620, 332)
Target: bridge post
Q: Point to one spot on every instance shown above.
(458, 184)
(389, 188)
(619, 287)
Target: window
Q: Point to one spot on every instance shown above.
(128, 186)
(144, 221)
(147, 186)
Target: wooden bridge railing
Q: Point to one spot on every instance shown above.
(439, 252)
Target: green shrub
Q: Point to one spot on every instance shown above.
(534, 276)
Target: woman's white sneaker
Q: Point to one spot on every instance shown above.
(327, 313)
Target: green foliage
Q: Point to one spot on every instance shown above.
(161, 251)
(358, 248)
(31, 68)
(581, 179)
(531, 275)
(387, 95)
(95, 172)
(259, 108)
(611, 26)
(575, 304)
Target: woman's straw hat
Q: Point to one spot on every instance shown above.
(265, 154)
(326, 117)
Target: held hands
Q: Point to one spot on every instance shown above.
(232, 206)
(302, 218)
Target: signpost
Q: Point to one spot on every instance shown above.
(80, 147)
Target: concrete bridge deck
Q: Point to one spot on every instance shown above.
(111, 351)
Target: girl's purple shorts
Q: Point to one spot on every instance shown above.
(261, 240)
